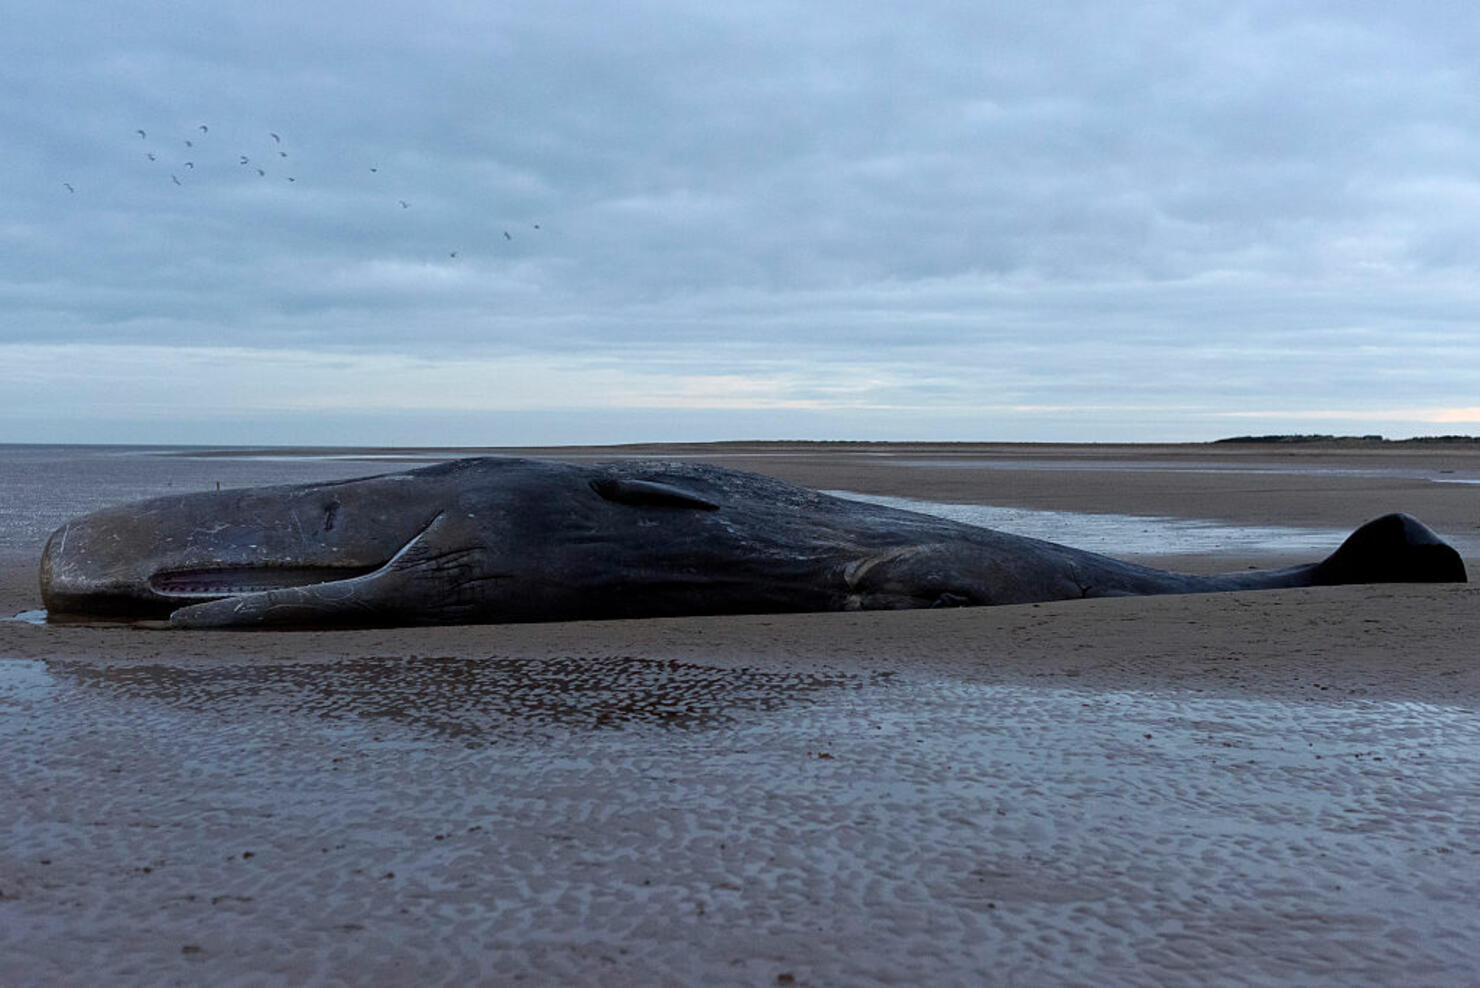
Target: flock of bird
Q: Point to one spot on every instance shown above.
(242, 159)
(272, 154)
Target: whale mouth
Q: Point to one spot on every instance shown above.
(232, 581)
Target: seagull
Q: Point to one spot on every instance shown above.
(261, 172)
(141, 134)
(151, 155)
(404, 203)
(70, 189)
(244, 159)
(175, 179)
(189, 164)
(506, 235)
(190, 144)
(292, 179)
(204, 129)
(374, 169)
(274, 137)
(282, 154)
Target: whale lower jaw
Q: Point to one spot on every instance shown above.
(207, 583)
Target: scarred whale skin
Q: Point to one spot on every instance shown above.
(493, 540)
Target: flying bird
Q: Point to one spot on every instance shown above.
(451, 254)
(244, 159)
(189, 164)
(189, 143)
(141, 134)
(151, 155)
(404, 203)
(70, 189)
(292, 179)
(506, 235)
(261, 172)
(374, 169)
(282, 154)
(204, 129)
(175, 179)
(274, 137)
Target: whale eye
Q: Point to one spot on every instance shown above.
(330, 513)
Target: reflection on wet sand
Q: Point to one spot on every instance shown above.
(475, 698)
(479, 821)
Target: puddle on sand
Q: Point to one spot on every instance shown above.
(23, 682)
(1123, 535)
(22, 674)
(41, 618)
(1443, 476)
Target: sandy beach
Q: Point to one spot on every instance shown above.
(1274, 786)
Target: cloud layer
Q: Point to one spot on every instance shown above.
(1073, 221)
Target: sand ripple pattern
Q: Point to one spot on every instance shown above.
(618, 820)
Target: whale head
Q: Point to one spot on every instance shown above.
(153, 557)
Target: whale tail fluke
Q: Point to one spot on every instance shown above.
(1395, 548)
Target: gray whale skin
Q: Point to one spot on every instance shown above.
(503, 539)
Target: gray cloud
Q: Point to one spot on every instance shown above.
(1160, 206)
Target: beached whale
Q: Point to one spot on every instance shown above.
(505, 539)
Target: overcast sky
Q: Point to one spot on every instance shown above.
(531, 222)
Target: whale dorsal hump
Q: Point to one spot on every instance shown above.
(649, 494)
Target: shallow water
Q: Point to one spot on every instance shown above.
(624, 819)
(43, 486)
(1125, 535)
(1305, 469)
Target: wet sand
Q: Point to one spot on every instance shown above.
(1236, 788)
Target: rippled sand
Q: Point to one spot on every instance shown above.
(1241, 788)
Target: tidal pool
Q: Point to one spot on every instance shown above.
(1125, 535)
